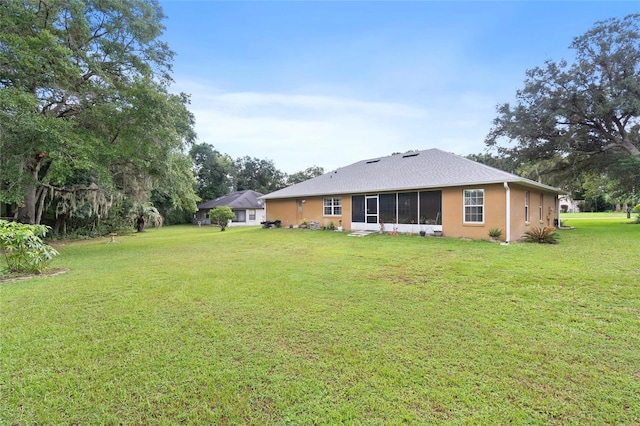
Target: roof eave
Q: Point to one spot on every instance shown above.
(521, 181)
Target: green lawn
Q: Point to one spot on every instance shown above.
(252, 326)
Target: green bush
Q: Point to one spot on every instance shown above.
(546, 235)
(23, 247)
(636, 209)
(495, 232)
(221, 215)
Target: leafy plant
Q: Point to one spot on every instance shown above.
(495, 232)
(546, 235)
(145, 213)
(221, 215)
(23, 247)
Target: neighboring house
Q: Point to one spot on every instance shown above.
(429, 191)
(569, 205)
(247, 206)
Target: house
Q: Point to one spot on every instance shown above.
(569, 205)
(247, 206)
(429, 191)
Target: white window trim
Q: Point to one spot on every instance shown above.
(464, 206)
(526, 206)
(335, 202)
(541, 209)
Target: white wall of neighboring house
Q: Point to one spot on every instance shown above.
(572, 205)
(245, 215)
(252, 217)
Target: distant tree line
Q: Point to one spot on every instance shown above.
(218, 174)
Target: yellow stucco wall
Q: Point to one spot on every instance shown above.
(519, 224)
(294, 211)
(453, 212)
(495, 211)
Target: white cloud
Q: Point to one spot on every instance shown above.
(300, 130)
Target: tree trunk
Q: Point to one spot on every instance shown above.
(41, 195)
(60, 220)
(631, 148)
(27, 213)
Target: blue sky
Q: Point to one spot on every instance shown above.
(328, 83)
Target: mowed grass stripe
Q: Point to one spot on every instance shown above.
(253, 326)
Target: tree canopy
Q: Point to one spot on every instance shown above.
(306, 174)
(85, 111)
(213, 171)
(218, 174)
(257, 174)
(585, 114)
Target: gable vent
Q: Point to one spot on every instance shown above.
(373, 161)
(414, 154)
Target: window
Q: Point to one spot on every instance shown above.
(252, 215)
(408, 207)
(241, 216)
(430, 207)
(357, 208)
(526, 206)
(387, 208)
(540, 208)
(474, 205)
(333, 206)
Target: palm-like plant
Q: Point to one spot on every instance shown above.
(546, 235)
(146, 213)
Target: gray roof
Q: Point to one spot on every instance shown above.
(247, 199)
(429, 169)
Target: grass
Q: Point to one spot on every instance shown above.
(251, 326)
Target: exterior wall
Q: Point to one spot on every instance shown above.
(453, 212)
(571, 204)
(495, 211)
(294, 211)
(519, 224)
(202, 217)
(260, 215)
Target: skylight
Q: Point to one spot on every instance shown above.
(373, 161)
(413, 154)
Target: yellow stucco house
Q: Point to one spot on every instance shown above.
(429, 191)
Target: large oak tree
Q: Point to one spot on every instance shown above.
(586, 113)
(85, 112)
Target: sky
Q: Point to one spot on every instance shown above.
(329, 83)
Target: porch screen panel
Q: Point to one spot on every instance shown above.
(408, 207)
(387, 208)
(431, 207)
(357, 208)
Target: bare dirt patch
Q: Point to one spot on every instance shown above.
(18, 277)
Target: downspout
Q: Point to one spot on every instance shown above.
(508, 212)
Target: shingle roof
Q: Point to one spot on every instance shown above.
(247, 199)
(431, 168)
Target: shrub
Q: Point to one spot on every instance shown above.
(146, 213)
(546, 235)
(23, 247)
(221, 215)
(495, 232)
